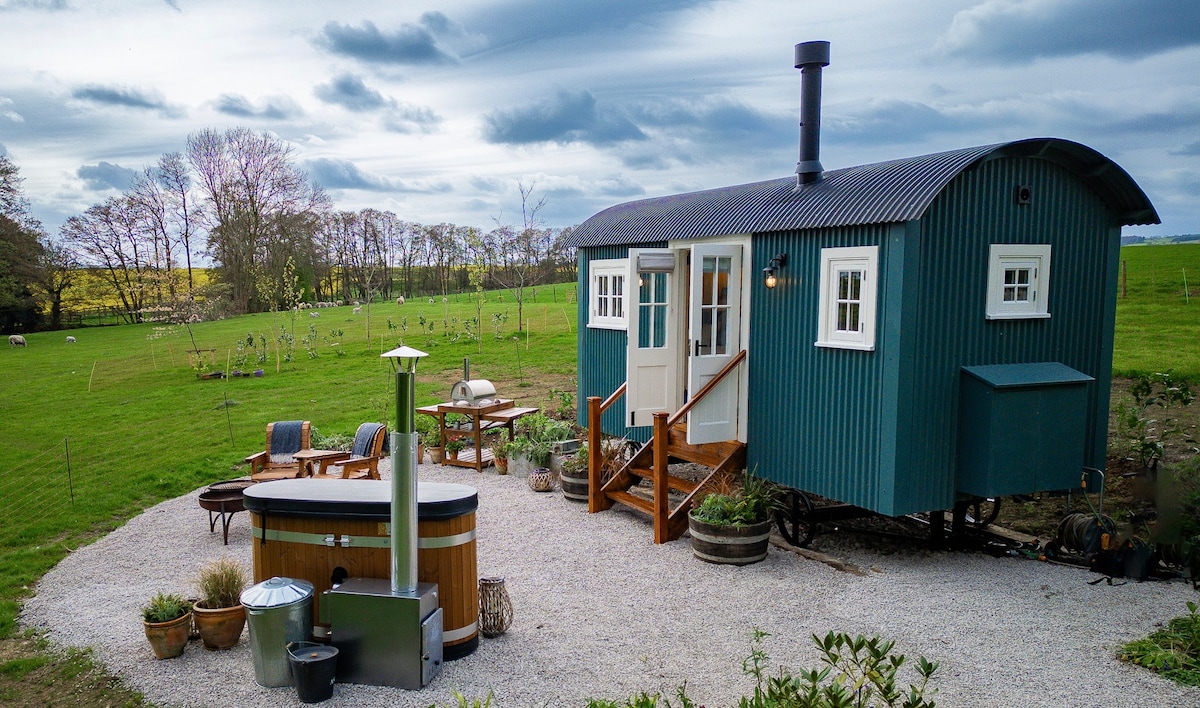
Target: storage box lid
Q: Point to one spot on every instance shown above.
(1046, 373)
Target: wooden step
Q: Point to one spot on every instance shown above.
(632, 500)
(677, 484)
(707, 454)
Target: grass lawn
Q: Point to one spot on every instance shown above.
(97, 430)
(1158, 327)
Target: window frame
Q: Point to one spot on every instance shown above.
(834, 262)
(608, 269)
(1003, 257)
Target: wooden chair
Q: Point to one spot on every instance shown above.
(362, 462)
(284, 439)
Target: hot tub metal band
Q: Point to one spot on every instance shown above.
(347, 541)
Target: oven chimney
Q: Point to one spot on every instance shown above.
(810, 58)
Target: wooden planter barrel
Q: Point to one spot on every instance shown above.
(574, 485)
(732, 545)
(324, 531)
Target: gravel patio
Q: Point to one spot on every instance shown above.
(600, 611)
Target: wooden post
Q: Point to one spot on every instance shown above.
(1124, 267)
(661, 532)
(593, 407)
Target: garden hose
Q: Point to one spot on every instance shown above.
(1085, 533)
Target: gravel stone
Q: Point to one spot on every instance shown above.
(601, 611)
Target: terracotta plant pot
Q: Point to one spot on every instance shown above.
(168, 639)
(219, 628)
(435, 455)
(501, 465)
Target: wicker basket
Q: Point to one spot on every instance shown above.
(541, 480)
(495, 608)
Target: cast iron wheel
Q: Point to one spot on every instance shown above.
(982, 512)
(797, 522)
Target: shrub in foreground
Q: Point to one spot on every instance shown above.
(857, 672)
(1173, 651)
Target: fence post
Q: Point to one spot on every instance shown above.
(70, 482)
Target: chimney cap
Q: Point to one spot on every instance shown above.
(815, 52)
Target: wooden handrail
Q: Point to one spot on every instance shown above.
(614, 396)
(712, 383)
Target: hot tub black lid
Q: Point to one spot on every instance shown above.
(361, 498)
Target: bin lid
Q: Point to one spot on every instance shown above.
(306, 652)
(277, 592)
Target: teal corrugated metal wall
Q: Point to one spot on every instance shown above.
(950, 331)
(815, 414)
(601, 354)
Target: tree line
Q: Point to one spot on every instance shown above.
(274, 240)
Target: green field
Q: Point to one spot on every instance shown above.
(1158, 321)
(94, 432)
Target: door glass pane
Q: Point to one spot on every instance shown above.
(706, 331)
(652, 310)
(660, 326)
(708, 284)
(721, 330)
(723, 267)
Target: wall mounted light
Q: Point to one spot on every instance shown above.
(769, 273)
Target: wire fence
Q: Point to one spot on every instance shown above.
(78, 482)
(27, 499)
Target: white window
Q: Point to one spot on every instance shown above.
(847, 297)
(1018, 281)
(608, 293)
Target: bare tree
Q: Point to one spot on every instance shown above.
(57, 271)
(525, 252)
(255, 196)
(107, 238)
(175, 180)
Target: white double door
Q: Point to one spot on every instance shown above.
(685, 325)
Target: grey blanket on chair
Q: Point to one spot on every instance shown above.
(362, 439)
(285, 439)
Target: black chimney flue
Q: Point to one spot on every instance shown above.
(810, 58)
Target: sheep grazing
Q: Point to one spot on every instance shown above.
(356, 311)
(70, 339)
(16, 340)
(314, 314)
(400, 301)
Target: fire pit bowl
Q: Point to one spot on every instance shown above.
(224, 499)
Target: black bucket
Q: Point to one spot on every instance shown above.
(313, 668)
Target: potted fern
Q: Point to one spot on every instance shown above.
(220, 616)
(167, 620)
(453, 447)
(732, 524)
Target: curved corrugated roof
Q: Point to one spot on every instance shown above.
(898, 190)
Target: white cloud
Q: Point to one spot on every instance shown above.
(602, 101)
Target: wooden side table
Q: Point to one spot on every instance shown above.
(306, 458)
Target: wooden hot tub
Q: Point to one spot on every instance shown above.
(325, 531)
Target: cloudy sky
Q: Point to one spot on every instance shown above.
(435, 110)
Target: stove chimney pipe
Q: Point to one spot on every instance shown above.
(810, 58)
